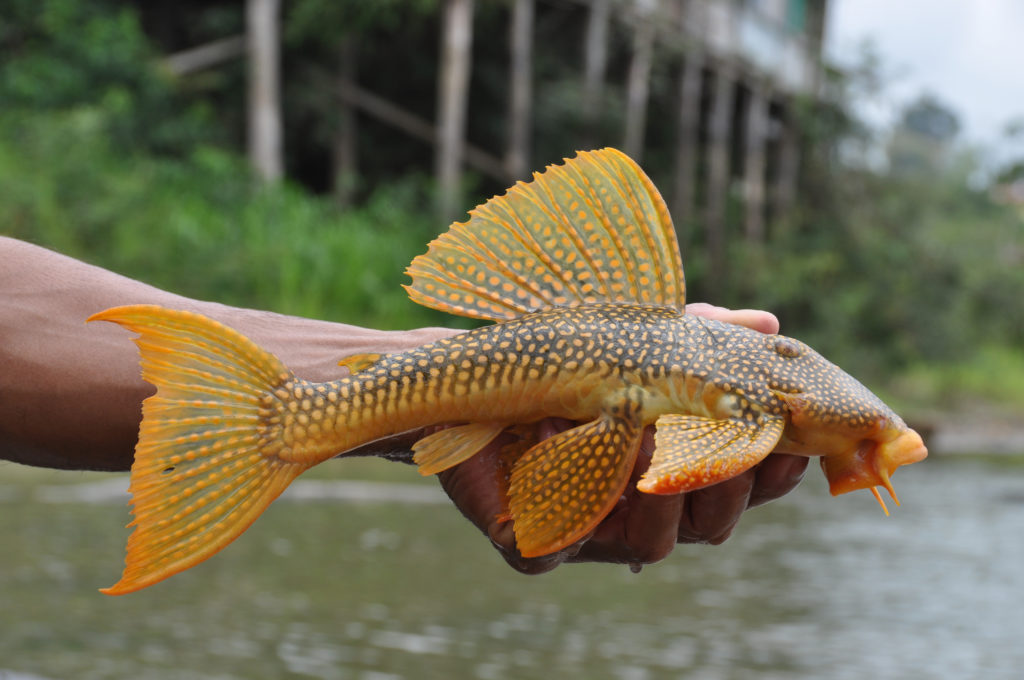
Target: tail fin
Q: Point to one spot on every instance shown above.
(204, 466)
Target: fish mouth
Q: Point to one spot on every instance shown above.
(871, 464)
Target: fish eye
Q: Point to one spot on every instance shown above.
(786, 347)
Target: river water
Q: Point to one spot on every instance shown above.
(386, 582)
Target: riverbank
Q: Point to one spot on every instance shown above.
(965, 434)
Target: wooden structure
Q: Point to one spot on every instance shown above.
(738, 67)
(266, 137)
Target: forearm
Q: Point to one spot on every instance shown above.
(70, 393)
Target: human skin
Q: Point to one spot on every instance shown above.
(71, 394)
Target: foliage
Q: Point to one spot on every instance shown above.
(992, 372)
(882, 270)
(317, 21)
(60, 54)
(203, 228)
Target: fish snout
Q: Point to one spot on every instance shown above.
(872, 462)
(906, 448)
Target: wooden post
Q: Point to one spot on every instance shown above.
(685, 188)
(413, 125)
(788, 170)
(265, 130)
(517, 158)
(595, 61)
(639, 80)
(344, 146)
(718, 174)
(453, 87)
(754, 163)
(205, 56)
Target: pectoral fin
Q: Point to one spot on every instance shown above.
(449, 447)
(692, 452)
(565, 485)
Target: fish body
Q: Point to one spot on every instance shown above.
(553, 363)
(581, 273)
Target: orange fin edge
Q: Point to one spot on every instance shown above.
(693, 452)
(204, 470)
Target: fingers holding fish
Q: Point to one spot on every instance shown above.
(479, 490)
(754, 319)
(642, 528)
(645, 528)
(777, 475)
(711, 514)
(651, 521)
(503, 540)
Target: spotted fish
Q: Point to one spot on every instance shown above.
(581, 273)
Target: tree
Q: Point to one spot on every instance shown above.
(923, 138)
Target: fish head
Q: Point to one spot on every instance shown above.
(860, 439)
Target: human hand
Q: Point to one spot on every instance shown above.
(642, 528)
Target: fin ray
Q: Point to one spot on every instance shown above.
(692, 452)
(561, 488)
(205, 465)
(448, 447)
(591, 230)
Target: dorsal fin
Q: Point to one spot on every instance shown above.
(592, 230)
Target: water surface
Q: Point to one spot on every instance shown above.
(331, 585)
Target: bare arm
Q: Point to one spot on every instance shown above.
(70, 393)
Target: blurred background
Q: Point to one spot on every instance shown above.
(855, 166)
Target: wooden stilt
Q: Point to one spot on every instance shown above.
(720, 118)
(754, 164)
(685, 185)
(453, 94)
(517, 156)
(266, 147)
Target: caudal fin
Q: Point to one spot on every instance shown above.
(205, 465)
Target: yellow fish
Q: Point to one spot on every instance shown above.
(580, 270)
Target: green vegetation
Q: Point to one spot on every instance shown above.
(200, 226)
(910, 277)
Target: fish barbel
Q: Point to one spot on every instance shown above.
(581, 273)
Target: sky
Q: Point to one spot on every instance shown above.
(968, 53)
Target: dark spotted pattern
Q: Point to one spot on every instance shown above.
(550, 363)
(562, 362)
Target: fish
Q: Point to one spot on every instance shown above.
(580, 272)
